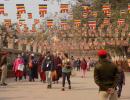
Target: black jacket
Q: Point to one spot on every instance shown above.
(106, 75)
(48, 64)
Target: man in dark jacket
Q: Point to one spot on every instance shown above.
(78, 64)
(48, 66)
(106, 77)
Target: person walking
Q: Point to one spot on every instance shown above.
(88, 64)
(121, 80)
(48, 67)
(106, 77)
(78, 64)
(3, 65)
(58, 66)
(18, 67)
(66, 71)
(25, 57)
(83, 67)
(33, 68)
(41, 72)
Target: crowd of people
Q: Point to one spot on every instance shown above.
(51, 67)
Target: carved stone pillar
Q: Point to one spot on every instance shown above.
(11, 43)
(35, 47)
(40, 49)
(20, 45)
(28, 47)
(0, 38)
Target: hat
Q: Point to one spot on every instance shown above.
(102, 53)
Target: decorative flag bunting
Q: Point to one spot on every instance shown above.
(94, 13)
(106, 21)
(33, 28)
(121, 21)
(63, 23)
(21, 22)
(7, 22)
(77, 23)
(92, 24)
(85, 14)
(18, 16)
(106, 9)
(42, 9)
(86, 8)
(50, 23)
(64, 8)
(129, 7)
(20, 8)
(36, 21)
(122, 12)
(29, 15)
(2, 9)
(108, 14)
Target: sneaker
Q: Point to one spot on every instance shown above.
(49, 86)
(3, 84)
(63, 89)
(69, 87)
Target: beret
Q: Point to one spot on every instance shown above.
(102, 53)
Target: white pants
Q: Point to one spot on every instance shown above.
(48, 77)
(103, 95)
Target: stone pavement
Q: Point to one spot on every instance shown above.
(82, 89)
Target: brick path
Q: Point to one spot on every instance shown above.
(82, 89)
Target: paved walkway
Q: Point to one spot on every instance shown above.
(82, 89)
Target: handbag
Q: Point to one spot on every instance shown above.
(21, 67)
(54, 75)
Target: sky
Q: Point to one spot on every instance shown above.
(31, 7)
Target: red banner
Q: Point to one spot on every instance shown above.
(106, 21)
(64, 8)
(121, 21)
(92, 24)
(20, 8)
(42, 10)
(2, 9)
(77, 23)
(49, 23)
(86, 8)
(106, 9)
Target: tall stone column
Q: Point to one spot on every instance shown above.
(20, 45)
(28, 47)
(11, 43)
(39, 49)
(0, 38)
(35, 47)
